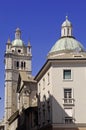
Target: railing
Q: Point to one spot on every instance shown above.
(68, 101)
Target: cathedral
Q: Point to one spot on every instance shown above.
(55, 98)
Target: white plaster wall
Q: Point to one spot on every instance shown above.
(78, 84)
(46, 90)
(43, 89)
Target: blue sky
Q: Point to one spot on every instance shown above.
(40, 22)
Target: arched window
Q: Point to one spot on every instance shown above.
(24, 64)
(43, 83)
(17, 64)
(68, 31)
(21, 65)
(64, 32)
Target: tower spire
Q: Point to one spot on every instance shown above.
(8, 41)
(29, 48)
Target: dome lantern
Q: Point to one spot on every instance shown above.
(18, 34)
(66, 29)
(67, 43)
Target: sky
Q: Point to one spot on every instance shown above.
(40, 22)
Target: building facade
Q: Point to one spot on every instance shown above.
(27, 89)
(61, 84)
(55, 98)
(18, 58)
(25, 118)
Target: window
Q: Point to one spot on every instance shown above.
(12, 50)
(48, 78)
(67, 93)
(43, 83)
(69, 116)
(21, 65)
(17, 64)
(66, 74)
(64, 31)
(19, 51)
(68, 99)
(48, 111)
(68, 31)
(68, 120)
(39, 88)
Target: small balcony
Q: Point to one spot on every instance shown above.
(68, 101)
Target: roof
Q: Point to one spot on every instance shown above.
(18, 42)
(66, 23)
(25, 77)
(13, 117)
(67, 43)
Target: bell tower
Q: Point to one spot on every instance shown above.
(18, 57)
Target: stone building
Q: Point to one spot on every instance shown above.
(25, 118)
(18, 73)
(55, 98)
(2, 125)
(62, 84)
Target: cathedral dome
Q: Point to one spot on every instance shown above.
(67, 43)
(17, 42)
